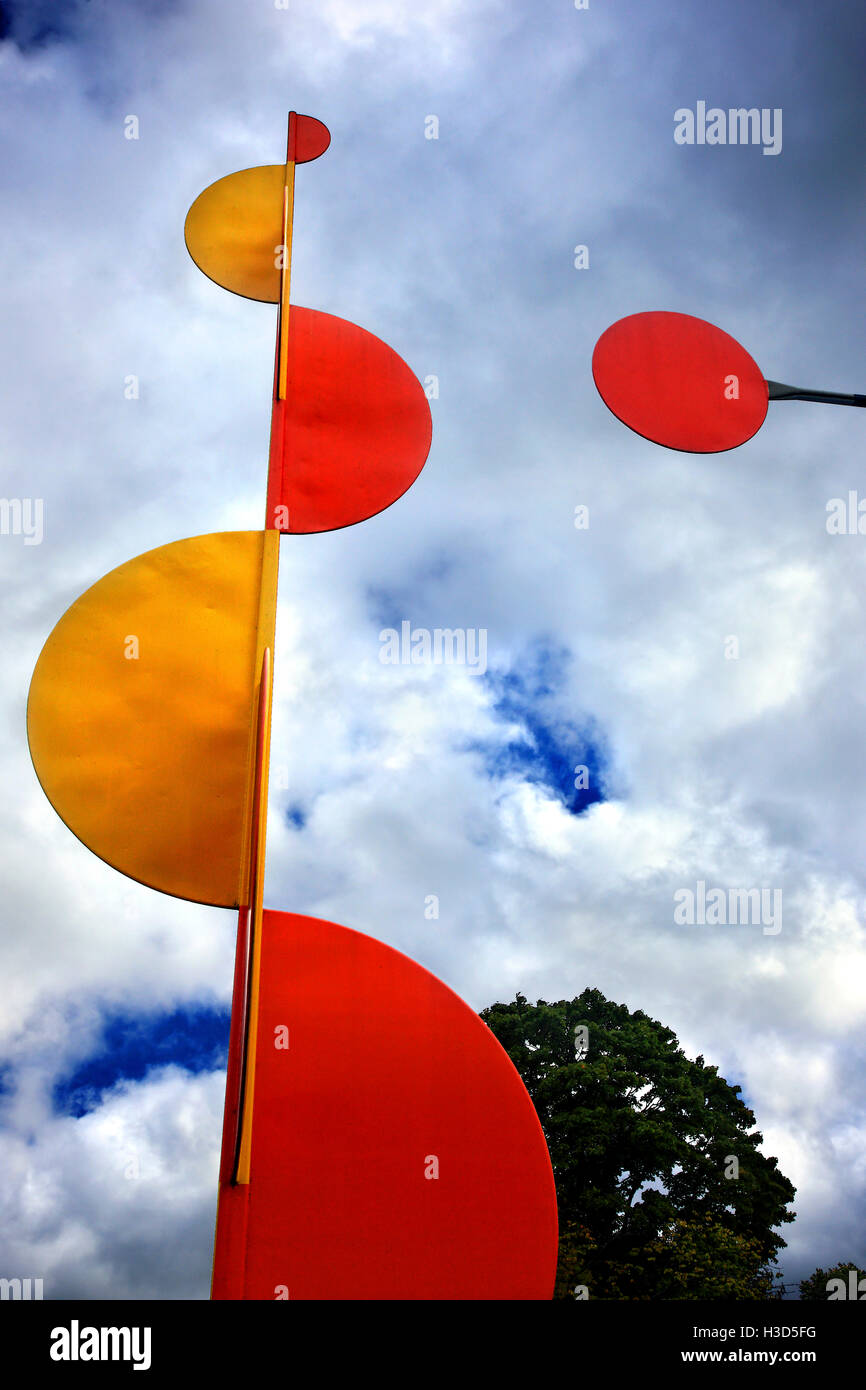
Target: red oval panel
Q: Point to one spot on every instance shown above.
(396, 1153)
(308, 138)
(680, 382)
(354, 430)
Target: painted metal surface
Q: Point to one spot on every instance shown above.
(308, 138)
(680, 382)
(141, 706)
(240, 1078)
(256, 907)
(234, 231)
(395, 1151)
(236, 227)
(352, 434)
(389, 1149)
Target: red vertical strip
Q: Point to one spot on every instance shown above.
(237, 1045)
(229, 1266)
(276, 513)
(232, 1205)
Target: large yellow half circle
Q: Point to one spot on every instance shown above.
(142, 709)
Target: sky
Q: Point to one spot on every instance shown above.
(734, 764)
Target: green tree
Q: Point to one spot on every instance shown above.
(660, 1180)
(815, 1288)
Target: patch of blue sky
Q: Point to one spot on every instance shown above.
(547, 749)
(132, 1044)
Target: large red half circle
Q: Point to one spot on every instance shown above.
(680, 382)
(353, 432)
(388, 1078)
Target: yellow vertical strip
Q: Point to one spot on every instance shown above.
(245, 1153)
(265, 627)
(258, 820)
(286, 276)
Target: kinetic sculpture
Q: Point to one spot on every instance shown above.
(377, 1141)
(686, 384)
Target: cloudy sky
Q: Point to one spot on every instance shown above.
(608, 646)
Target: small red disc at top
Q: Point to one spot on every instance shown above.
(680, 382)
(308, 138)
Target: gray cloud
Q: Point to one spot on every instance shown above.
(556, 128)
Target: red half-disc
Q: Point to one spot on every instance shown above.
(680, 382)
(353, 432)
(308, 138)
(395, 1151)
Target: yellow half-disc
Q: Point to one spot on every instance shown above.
(142, 712)
(234, 231)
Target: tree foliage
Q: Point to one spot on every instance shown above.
(641, 1140)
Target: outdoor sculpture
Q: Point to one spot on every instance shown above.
(377, 1142)
(683, 383)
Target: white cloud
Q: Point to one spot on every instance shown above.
(555, 129)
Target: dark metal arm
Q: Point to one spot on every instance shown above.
(778, 392)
